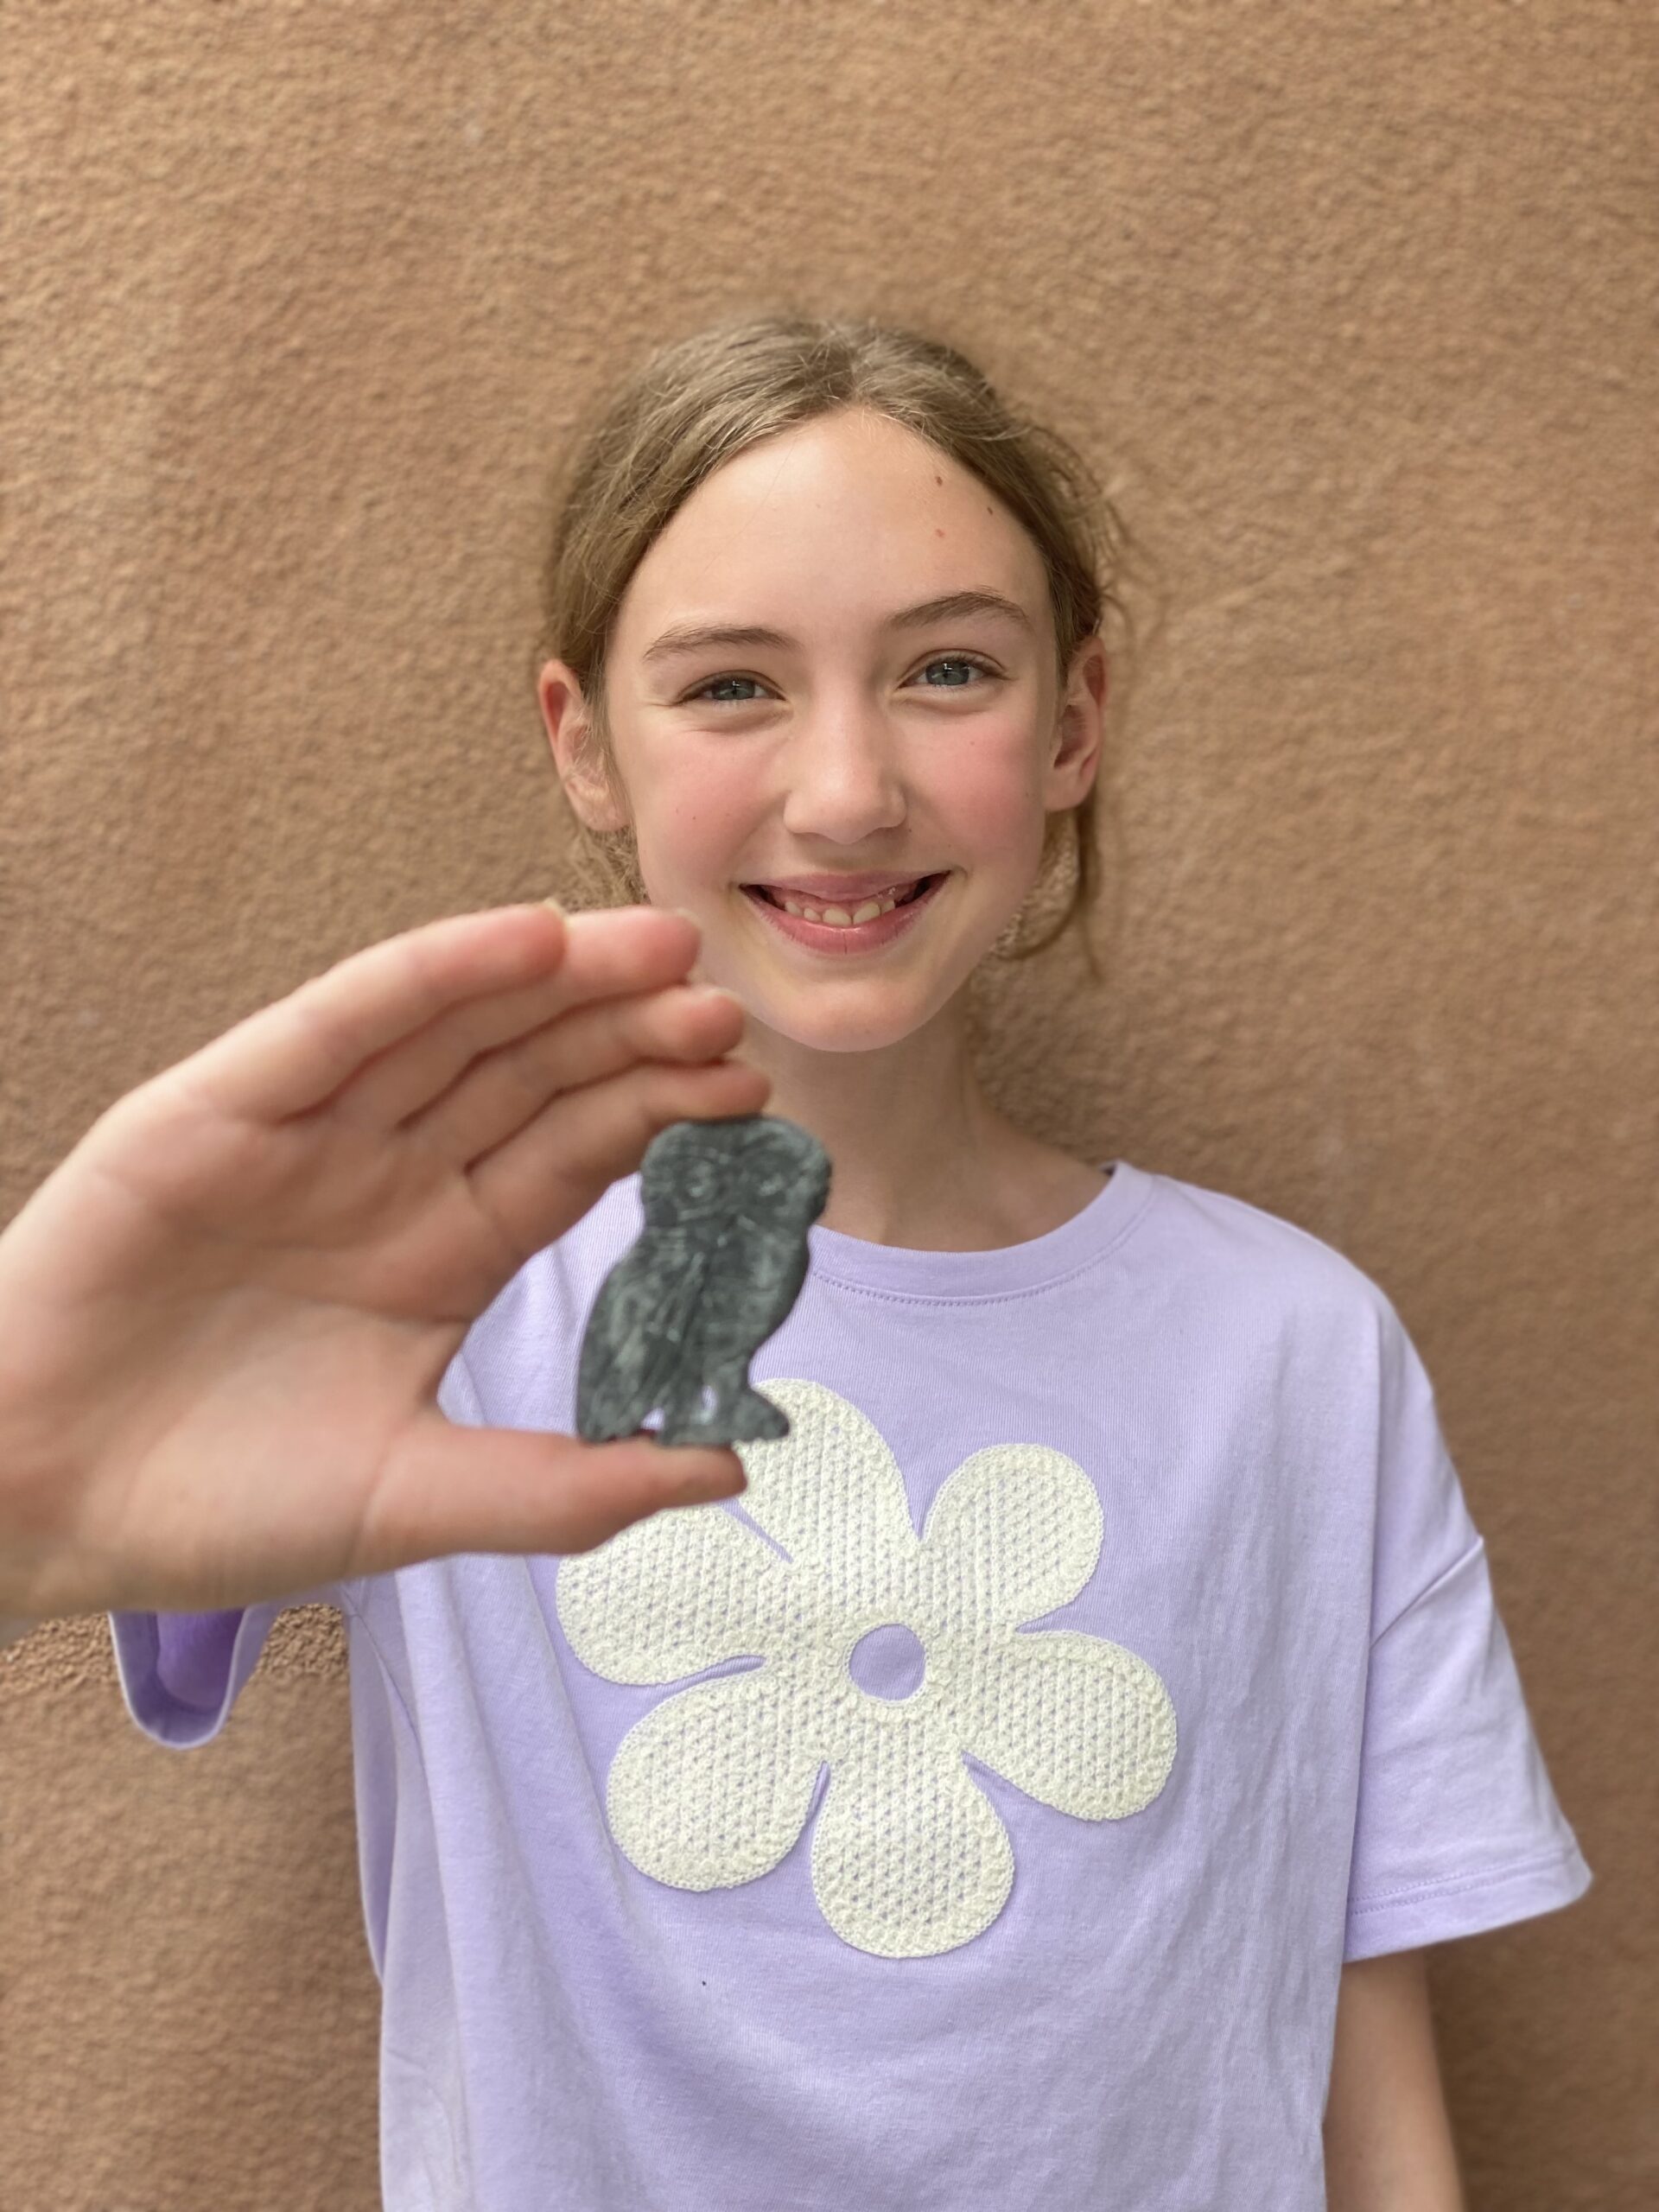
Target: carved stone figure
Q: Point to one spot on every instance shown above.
(715, 1271)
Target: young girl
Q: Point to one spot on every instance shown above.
(992, 1807)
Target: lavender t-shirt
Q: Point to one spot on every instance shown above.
(977, 1812)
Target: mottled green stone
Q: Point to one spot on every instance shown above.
(715, 1271)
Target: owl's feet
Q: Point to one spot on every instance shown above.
(738, 1414)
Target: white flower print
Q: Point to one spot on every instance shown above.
(909, 1857)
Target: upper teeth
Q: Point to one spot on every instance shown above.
(838, 917)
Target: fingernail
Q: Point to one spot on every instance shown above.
(554, 903)
(711, 1486)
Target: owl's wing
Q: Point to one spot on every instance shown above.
(776, 1260)
(657, 1308)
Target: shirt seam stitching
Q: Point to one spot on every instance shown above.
(391, 1681)
(1450, 1884)
(995, 1297)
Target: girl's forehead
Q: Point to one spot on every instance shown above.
(845, 510)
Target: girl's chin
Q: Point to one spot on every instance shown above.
(858, 1034)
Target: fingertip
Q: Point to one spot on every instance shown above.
(692, 1472)
(719, 1474)
(676, 1464)
(552, 947)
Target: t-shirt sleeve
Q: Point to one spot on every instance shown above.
(1457, 1826)
(181, 1673)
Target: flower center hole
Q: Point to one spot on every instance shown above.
(888, 1662)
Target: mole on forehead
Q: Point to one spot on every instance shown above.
(693, 637)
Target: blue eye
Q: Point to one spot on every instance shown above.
(703, 690)
(956, 660)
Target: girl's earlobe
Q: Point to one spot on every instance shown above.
(587, 785)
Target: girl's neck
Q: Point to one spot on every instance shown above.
(921, 1157)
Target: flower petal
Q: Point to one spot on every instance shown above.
(714, 1786)
(910, 1856)
(670, 1595)
(1016, 1529)
(831, 1493)
(1074, 1721)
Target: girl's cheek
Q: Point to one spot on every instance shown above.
(992, 799)
(697, 823)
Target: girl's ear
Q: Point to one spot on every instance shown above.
(1081, 727)
(576, 756)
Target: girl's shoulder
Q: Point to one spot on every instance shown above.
(1231, 1244)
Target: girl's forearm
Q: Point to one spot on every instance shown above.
(1389, 2145)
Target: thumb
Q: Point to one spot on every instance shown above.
(447, 1487)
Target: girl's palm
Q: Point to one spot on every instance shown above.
(224, 1318)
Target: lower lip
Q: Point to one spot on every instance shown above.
(853, 937)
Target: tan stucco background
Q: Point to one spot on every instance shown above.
(1351, 303)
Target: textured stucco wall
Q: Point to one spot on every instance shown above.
(1351, 302)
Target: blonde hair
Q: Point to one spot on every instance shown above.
(697, 402)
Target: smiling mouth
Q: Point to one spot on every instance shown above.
(836, 917)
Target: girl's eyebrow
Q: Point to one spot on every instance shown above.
(693, 637)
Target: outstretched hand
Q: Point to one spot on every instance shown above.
(224, 1317)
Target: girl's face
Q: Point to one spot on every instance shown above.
(801, 696)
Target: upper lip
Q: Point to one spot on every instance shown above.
(839, 887)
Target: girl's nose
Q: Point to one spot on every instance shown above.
(842, 776)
